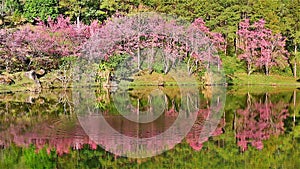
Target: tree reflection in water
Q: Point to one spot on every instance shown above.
(259, 119)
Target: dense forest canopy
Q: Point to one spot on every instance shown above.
(280, 19)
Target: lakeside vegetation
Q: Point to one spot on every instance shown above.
(254, 37)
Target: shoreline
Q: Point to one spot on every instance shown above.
(22, 83)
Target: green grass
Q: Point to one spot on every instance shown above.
(258, 83)
(170, 79)
(260, 79)
(242, 89)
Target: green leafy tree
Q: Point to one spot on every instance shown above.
(291, 29)
(40, 9)
(110, 7)
(82, 10)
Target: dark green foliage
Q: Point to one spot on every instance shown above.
(83, 10)
(41, 9)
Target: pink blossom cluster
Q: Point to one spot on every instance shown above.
(130, 34)
(260, 46)
(55, 38)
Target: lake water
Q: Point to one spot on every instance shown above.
(151, 127)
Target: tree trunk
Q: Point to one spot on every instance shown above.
(249, 68)
(167, 67)
(235, 46)
(108, 79)
(248, 99)
(2, 21)
(267, 69)
(225, 48)
(189, 66)
(32, 75)
(139, 50)
(295, 64)
(78, 22)
(150, 57)
(139, 58)
(219, 65)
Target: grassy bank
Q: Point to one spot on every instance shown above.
(260, 79)
(170, 79)
(257, 83)
(239, 81)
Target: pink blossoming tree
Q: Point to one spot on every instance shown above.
(260, 46)
(54, 39)
(138, 34)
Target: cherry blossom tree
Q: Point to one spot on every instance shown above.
(153, 34)
(133, 34)
(53, 39)
(246, 45)
(260, 46)
(216, 38)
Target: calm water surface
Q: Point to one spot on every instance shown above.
(64, 129)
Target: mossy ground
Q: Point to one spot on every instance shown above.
(170, 79)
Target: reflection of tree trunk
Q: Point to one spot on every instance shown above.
(234, 126)
(6, 106)
(266, 97)
(294, 116)
(150, 104)
(248, 99)
(138, 118)
(266, 107)
(166, 102)
(188, 105)
(138, 107)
